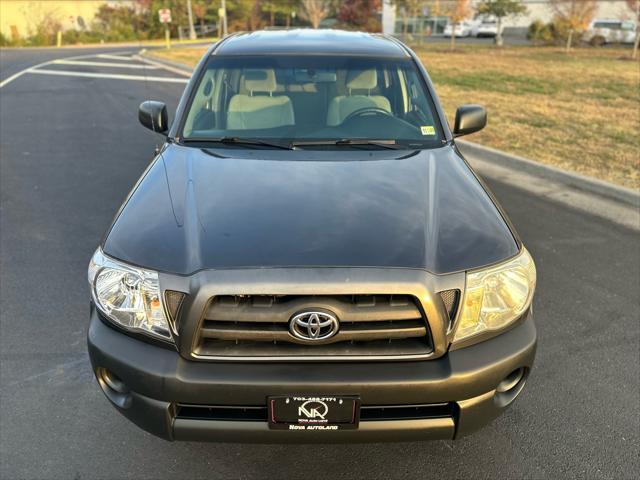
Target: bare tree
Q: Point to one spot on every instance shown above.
(457, 12)
(315, 11)
(634, 5)
(42, 24)
(575, 15)
(192, 30)
(408, 9)
(271, 8)
(200, 11)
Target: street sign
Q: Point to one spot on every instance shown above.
(164, 14)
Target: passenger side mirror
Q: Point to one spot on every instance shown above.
(469, 119)
(154, 116)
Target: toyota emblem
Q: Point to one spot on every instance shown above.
(313, 326)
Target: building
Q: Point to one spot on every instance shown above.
(20, 18)
(433, 16)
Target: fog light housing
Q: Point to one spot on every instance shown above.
(509, 388)
(113, 387)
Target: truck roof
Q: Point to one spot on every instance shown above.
(311, 42)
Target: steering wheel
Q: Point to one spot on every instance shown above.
(361, 112)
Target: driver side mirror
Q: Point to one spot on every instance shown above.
(469, 119)
(154, 116)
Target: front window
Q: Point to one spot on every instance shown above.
(310, 98)
(629, 26)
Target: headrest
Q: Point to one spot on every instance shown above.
(362, 79)
(260, 80)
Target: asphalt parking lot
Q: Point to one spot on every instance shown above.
(71, 148)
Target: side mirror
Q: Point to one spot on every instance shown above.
(469, 119)
(154, 116)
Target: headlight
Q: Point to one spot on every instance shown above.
(497, 296)
(129, 296)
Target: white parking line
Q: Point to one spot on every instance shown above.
(163, 65)
(104, 64)
(73, 61)
(114, 57)
(141, 78)
(16, 75)
(10, 79)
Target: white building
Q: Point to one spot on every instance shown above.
(433, 16)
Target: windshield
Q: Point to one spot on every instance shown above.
(296, 99)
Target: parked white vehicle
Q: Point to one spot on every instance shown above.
(462, 29)
(487, 28)
(603, 31)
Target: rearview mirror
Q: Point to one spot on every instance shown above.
(153, 115)
(469, 119)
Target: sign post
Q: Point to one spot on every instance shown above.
(164, 15)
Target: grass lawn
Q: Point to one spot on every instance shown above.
(579, 112)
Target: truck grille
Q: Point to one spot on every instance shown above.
(248, 326)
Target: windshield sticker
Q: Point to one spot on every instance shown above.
(428, 130)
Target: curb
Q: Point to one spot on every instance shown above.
(144, 53)
(581, 182)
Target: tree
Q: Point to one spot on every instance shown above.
(192, 30)
(200, 12)
(361, 14)
(408, 8)
(179, 15)
(271, 8)
(634, 5)
(315, 11)
(289, 10)
(44, 27)
(457, 12)
(244, 14)
(574, 15)
(501, 9)
(284, 8)
(115, 23)
(255, 18)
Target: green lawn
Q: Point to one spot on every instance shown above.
(578, 111)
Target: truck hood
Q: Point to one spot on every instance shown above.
(230, 208)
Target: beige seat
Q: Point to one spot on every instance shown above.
(259, 108)
(363, 81)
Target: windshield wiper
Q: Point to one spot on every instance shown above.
(239, 141)
(390, 144)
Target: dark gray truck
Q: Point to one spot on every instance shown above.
(309, 258)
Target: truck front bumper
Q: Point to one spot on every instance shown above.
(457, 394)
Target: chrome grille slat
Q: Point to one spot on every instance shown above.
(228, 350)
(258, 326)
(243, 311)
(227, 333)
(357, 332)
